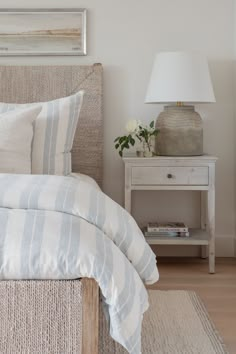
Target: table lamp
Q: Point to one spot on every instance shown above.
(180, 77)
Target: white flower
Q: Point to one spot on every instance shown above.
(132, 126)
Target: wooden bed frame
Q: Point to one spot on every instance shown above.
(24, 84)
(90, 326)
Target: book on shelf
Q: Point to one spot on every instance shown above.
(167, 227)
(165, 233)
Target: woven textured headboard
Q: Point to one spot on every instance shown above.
(26, 84)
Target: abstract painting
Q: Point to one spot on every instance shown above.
(43, 32)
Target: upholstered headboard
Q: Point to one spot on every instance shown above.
(26, 84)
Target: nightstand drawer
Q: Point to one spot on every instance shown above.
(157, 175)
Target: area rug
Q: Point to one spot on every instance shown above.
(176, 323)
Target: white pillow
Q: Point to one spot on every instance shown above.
(54, 132)
(16, 133)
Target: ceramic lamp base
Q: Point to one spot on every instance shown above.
(181, 132)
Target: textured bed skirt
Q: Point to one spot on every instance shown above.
(41, 317)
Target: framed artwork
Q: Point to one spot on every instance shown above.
(42, 32)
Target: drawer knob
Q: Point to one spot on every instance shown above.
(169, 175)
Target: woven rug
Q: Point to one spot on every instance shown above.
(176, 323)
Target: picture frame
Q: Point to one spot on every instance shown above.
(45, 32)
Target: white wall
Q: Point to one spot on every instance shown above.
(124, 36)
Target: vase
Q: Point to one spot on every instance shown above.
(147, 150)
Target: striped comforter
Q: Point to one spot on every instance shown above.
(54, 227)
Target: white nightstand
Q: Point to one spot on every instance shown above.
(177, 173)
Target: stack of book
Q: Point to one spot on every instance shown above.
(170, 229)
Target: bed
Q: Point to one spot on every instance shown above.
(41, 83)
(57, 316)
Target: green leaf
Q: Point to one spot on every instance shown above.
(116, 139)
(156, 131)
(117, 145)
(141, 133)
(132, 141)
(125, 145)
(122, 138)
(152, 124)
(121, 153)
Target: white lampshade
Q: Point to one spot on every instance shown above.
(180, 77)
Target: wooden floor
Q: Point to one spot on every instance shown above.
(218, 291)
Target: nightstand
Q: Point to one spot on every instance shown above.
(178, 173)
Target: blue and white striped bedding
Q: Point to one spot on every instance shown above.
(54, 227)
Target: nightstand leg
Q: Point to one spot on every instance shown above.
(203, 221)
(211, 228)
(128, 188)
(203, 210)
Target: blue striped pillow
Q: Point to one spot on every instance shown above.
(54, 131)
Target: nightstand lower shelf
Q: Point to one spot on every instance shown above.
(198, 237)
